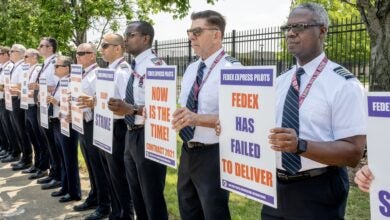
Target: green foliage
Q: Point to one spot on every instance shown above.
(26, 22)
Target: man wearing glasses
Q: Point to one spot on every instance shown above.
(146, 178)
(18, 115)
(41, 154)
(112, 50)
(199, 191)
(10, 151)
(99, 195)
(47, 49)
(320, 121)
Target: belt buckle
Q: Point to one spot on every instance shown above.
(133, 127)
(282, 176)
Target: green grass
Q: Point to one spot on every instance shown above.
(242, 208)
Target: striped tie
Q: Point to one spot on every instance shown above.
(187, 133)
(129, 119)
(290, 161)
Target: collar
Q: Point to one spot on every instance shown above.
(209, 61)
(33, 66)
(142, 56)
(90, 67)
(114, 64)
(311, 66)
(47, 60)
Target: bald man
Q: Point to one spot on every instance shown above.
(112, 49)
(99, 194)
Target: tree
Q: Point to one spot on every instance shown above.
(68, 20)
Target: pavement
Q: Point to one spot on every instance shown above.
(21, 198)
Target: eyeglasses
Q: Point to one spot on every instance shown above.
(43, 45)
(25, 57)
(106, 45)
(2, 54)
(82, 53)
(12, 51)
(133, 34)
(296, 28)
(198, 31)
(60, 65)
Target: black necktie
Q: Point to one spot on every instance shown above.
(129, 119)
(290, 161)
(35, 96)
(187, 133)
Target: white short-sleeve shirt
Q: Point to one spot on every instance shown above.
(145, 59)
(333, 109)
(33, 75)
(122, 75)
(48, 71)
(208, 95)
(7, 65)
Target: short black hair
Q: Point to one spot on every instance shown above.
(52, 42)
(144, 28)
(212, 18)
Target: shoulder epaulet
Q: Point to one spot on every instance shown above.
(231, 59)
(157, 61)
(286, 70)
(124, 66)
(343, 72)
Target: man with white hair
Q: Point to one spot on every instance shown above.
(41, 154)
(17, 114)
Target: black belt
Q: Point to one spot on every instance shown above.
(134, 127)
(307, 174)
(192, 145)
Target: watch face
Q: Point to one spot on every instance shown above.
(302, 146)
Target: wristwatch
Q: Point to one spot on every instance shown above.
(301, 146)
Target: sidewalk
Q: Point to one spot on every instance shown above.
(23, 199)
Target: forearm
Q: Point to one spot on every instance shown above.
(345, 152)
(206, 120)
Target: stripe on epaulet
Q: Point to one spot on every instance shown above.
(157, 61)
(231, 59)
(124, 66)
(343, 72)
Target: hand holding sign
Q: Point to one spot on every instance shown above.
(283, 139)
(364, 178)
(120, 107)
(85, 101)
(183, 117)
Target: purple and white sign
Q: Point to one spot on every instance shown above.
(104, 118)
(378, 147)
(247, 113)
(76, 91)
(43, 103)
(160, 103)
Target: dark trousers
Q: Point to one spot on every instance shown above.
(146, 178)
(55, 159)
(41, 154)
(114, 167)
(18, 119)
(99, 193)
(4, 123)
(198, 187)
(322, 197)
(70, 178)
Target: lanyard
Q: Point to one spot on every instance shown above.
(31, 72)
(318, 71)
(198, 88)
(90, 70)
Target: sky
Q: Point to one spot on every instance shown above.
(239, 14)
